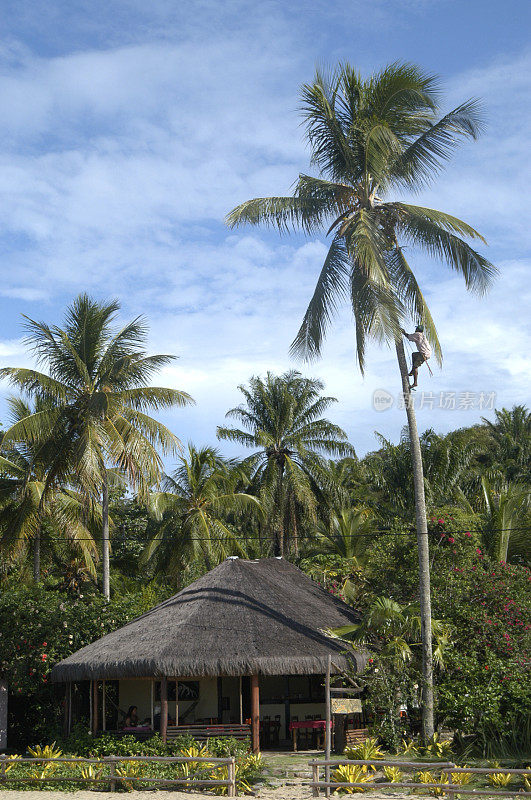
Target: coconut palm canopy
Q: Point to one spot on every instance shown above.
(241, 618)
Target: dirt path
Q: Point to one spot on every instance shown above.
(290, 790)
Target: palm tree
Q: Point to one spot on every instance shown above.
(97, 393)
(193, 512)
(507, 523)
(347, 535)
(26, 515)
(511, 436)
(368, 138)
(282, 420)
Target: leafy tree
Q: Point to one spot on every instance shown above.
(392, 633)
(26, 514)
(282, 420)
(193, 510)
(97, 396)
(368, 138)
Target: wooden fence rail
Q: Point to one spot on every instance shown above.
(112, 778)
(450, 789)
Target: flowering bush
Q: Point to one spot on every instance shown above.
(485, 689)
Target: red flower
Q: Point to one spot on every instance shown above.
(44, 656)
(486, 666)
(44, 644)
(451, 539)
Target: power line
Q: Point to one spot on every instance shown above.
(371, 534)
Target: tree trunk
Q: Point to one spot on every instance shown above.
(105, 538)
(423, 550)
(279, 517)
(37, 557)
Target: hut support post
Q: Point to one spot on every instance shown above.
(94, 707)
(328, 729)
(255, 714)
(66, 710)
(103, 708)
(163, 708)
(152, 704)
(241, 702)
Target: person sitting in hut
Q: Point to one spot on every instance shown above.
(131, 719)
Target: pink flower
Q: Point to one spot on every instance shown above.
(440, 521)
(478, 550)
(451, 539)
(468, 534)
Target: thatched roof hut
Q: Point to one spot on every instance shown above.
(262, 617)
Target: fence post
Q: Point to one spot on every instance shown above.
(315, 779)
(450, 794)
(3, 768)
(231, 774)
(112, 773)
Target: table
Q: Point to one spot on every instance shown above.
(318, 725)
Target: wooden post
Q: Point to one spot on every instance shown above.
(103, 707)
(94, 707)
(163, 708)
(241, 702)
(69, 708)
(112, 773)
(255, 714)
(220, 699)
(328, 732)
(231, 773)
(315, 779)
(152, 704)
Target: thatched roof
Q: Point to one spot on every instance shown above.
(243, 617)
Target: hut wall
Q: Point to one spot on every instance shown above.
(208, 700)
(136, 692)
(231, 697)
(303, 710)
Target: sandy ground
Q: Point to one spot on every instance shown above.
(291, 790)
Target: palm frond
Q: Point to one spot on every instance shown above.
(331, 287)
(421, 161)
(431, 230)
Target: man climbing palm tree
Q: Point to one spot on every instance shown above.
(368, 138)
(422, 353)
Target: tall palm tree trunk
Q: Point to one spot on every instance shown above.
(105, 538)
(279, 516)
(37, 557)
(423, 549)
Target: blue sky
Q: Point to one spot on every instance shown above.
(129, 129)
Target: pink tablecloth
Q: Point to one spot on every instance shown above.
(312, 724)
(137, 728)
